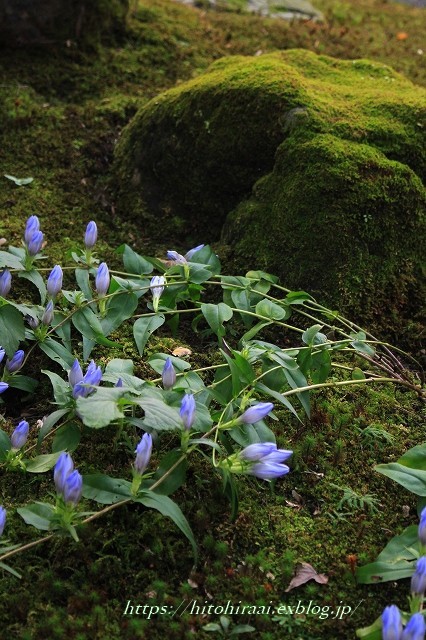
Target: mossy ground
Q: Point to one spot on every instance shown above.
(62, 111)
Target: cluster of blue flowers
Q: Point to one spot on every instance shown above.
(11, 366)
(392, 628)
(68, 481)
(84, 384)
(33, 237)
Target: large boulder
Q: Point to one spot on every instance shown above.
(306, 166)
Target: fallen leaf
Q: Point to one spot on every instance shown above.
(20, 182)
(304, 573)
(181, 352)
(192, 583)
(401, 35)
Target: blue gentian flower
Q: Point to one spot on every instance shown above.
(187, 411)
(418, 581)
(176, 257)
(47, 316)
(75, 374)
(256, 413)
(16, 363)
(415, 629)
(422, 527)
(2, 519)
(63, 468)
(391, 623)
(33, 225)
(91, 235)
(54, 281)
(157, 288)
(2, 354)
(268, 471)
(35, 243)
(3, 387)
(119, 383)
(20, 435)
(90, 380)
(257, 450)
(102, 279)
(168, 375)
(73, 487)
(143, 453)
(5, 283)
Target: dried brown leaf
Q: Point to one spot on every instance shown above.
(304, 573)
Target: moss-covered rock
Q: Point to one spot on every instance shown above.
(333, 152)
(24, 22)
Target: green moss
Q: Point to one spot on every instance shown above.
(342, 193)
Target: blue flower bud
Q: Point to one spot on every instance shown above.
(47, 316)
(415, 629)
(168, 375)
(268, 471)
(257, 450)
(5, 283)
(3, 387)
(35, 243)
(91, 235)
(63, 468)
(157, 288)
(54, 281)
(418, 581)
(277, 456)
(143, 453)
(20, 435)
(73, 487)
(2, 519)
(75, 374)
(102, 279)
(391, 623)
(176, 257)
(119, 383)
(190, 253)
(2, 354)
(187, 411)
(256, 413)
(32, 322)
(31, 227)
(422, 527)
(16, 363)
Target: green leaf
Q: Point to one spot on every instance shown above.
(9, 260)
(255, 329)
(133, 262)
(358, 374)
(261, 275)
(320, 366)
(143, 329)
(415, 457)
(297, 297)
(120, 308)
(106, 490)
(12, 330)
(83, 281)
(270, 309)
(61, 389)
(277, 396)
(42, 463)
(67, 438)
(309, 335)
(25, 383)
(252, 433)
(57, 352)
(216, 315)
(119, 366)
(359, 345)
(158, 415)
(412, 479)
(170, 509)
(38, 514)
(373, 632)
(6, 567)
(49, 423)
(5, 445)
(87, 323)
(36, 278)
(101, 408)
(173, 480)
(20, 182)
(198, 273)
